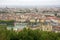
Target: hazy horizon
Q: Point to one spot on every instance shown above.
(29, 3)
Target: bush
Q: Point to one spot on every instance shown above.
(28, 34)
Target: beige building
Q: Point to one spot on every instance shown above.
(46, 27)
(43, 27)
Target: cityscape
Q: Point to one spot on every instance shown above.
(46, 19)
(29, 19)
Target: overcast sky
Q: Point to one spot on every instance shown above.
(29, 2)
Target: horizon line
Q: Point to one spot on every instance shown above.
(29, 6)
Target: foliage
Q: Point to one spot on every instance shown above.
(27, 34)
(7, 22)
